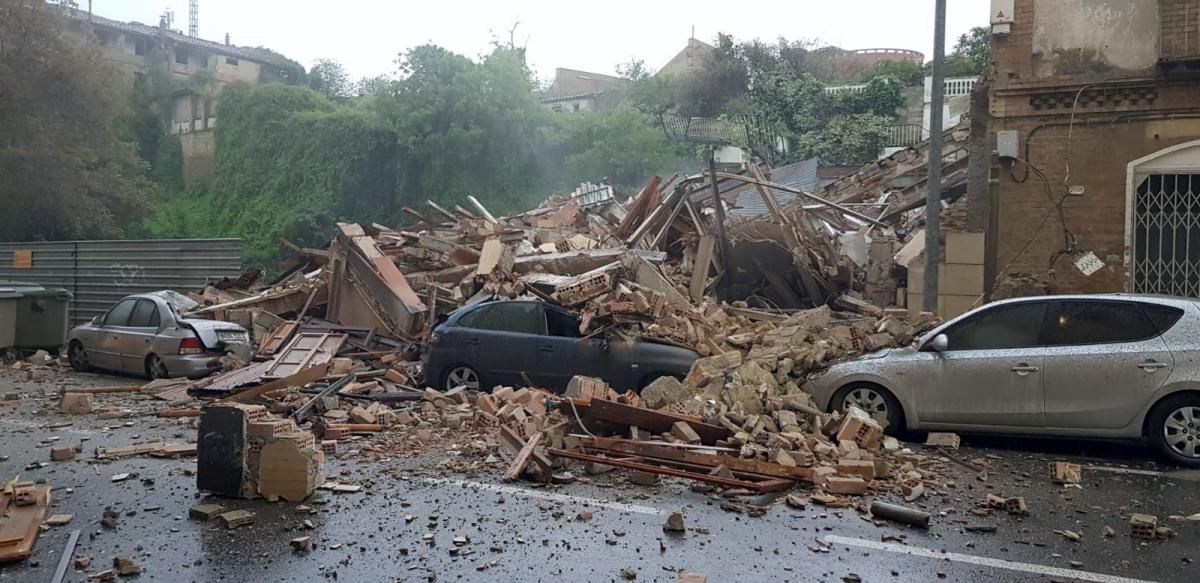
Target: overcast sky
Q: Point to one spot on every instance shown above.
(366, 36)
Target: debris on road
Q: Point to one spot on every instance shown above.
(900, 514)
(1066, 473)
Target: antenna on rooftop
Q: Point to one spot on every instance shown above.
(193, 17)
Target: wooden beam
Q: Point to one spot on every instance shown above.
(482, 209)
(768, 485)
(303, 377)
(518, 464)
(420, 217)
(441, 211)
(651, 420)
(701, 266)
(797, 191)
(465, 213)
(98, 390)
(667, 452)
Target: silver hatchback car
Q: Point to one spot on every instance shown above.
(142, 334)
(1107, 366)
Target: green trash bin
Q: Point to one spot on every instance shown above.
(42, 315)
(8, 317)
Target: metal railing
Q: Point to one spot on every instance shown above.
(904, 135)
(954, 86)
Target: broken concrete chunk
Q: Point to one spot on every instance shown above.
(665, 391)
(125, 567)
(685, 432)
(1143, 526)
(674, 523)
(708, 368)
(62, 454)
(236, 518)
(1066, 473)
(845, 485)
(950, 440)
(76, 403)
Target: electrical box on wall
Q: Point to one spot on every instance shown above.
(1008, 144)
(1002, 16)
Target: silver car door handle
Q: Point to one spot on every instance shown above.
(1023, 369)
(1151, 366)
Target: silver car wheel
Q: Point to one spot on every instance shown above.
(462, 377)
(1181, 430)
(870, 401)
(156, 368)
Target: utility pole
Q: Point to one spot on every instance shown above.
(933, 181)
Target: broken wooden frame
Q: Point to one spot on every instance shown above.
(690, 463)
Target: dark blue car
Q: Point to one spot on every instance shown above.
(519, 342)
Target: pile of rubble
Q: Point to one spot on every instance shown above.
(763, 301)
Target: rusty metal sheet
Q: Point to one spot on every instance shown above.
(307, 349)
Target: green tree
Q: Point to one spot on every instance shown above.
(850, 140)
(466, 127)
(909, 73)
(623, 145)
(651, 94)
(288, 163)
(971, 54)
(329, 78)
(69, 166)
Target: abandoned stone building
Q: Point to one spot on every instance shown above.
(133, 48)
(1093, 112)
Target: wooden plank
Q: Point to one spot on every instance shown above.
(441, 211)
(112, 453)
(518, 465)
(19, 529)
(303, 377)
(650, 420)
(464, 213)
(770, 485)
(99, 390)
(174, 413)
(701, 265)
(64, 560)
(306, 349)
(420, 217)
(662, 451)
(278, 336)
(482, 209)
(809, 196)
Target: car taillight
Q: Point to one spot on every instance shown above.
(190, 346)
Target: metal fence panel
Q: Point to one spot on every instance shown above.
(99, 273)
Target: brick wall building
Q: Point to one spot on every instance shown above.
(1104, 100)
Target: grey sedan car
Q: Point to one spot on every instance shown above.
(1107, 366)
(142, 334)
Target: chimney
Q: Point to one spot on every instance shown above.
(226, 39)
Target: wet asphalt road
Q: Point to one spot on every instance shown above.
(521, 532)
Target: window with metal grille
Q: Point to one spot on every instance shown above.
(1166, 235)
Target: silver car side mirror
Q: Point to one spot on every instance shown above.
(939, 343)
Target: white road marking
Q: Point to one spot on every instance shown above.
(517, 491)
(1126, 471)
(43, 427)
(1070, 574)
